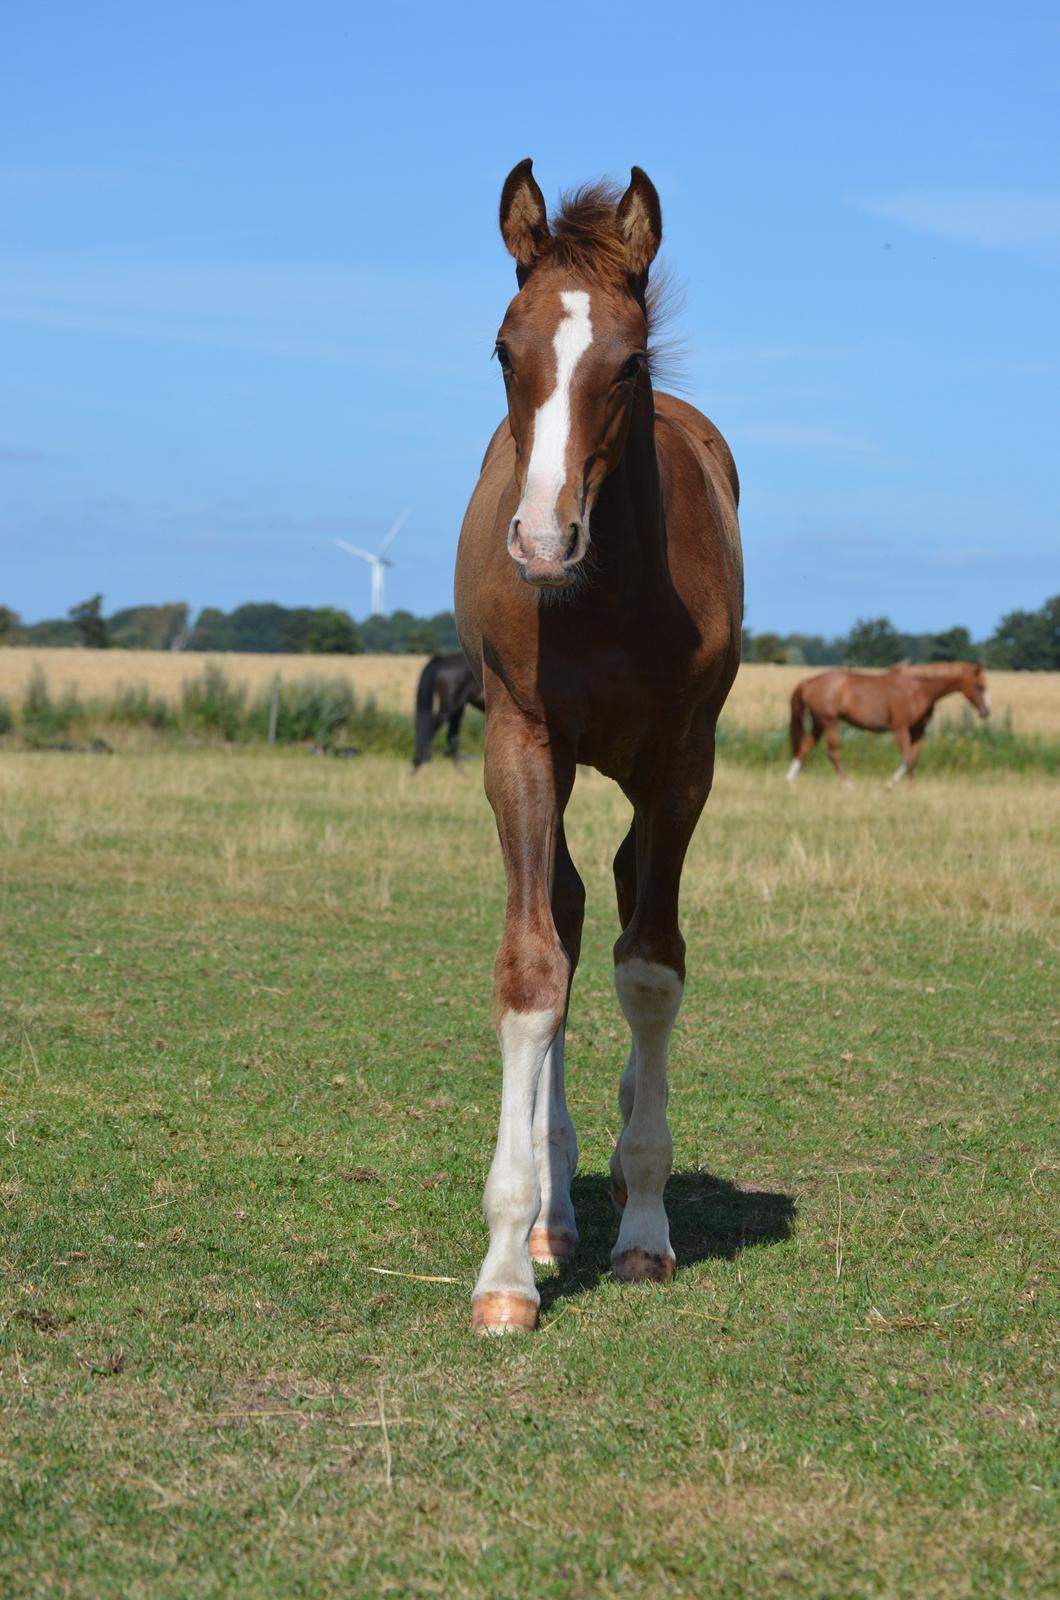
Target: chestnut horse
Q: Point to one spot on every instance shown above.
(899, 701)
(599, 601)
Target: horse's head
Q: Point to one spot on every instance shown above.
(573, 351)
(973, 686)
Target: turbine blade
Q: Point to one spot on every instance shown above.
(395, 528)
(354, 550)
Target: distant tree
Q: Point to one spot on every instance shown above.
(443, 626)
(212, 631)
(872, 642)
(90, 623)
(952, 644)
(53, 631)
(913, 646)
(258, 627)
(333, 633)
(1028, 641)
(295, 630)
(769, 647)
(809, 649)
(10, 626)
(148, 627)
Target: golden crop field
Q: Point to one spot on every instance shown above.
(759, 698)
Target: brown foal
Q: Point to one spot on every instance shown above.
(599, 601)
(899, 701)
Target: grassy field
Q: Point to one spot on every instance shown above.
(247, 1071)
(1028, 702)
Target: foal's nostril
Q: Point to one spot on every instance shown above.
(574, 529)
(515, 545)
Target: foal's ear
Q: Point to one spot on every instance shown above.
(524, 220)
(639, 218)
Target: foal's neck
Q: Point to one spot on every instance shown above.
(627, 520)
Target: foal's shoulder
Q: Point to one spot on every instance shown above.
(700, 432)
(502, 435)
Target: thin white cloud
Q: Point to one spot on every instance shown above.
(332, 316)
(995, 217)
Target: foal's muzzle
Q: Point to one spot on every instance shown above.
(547, 559)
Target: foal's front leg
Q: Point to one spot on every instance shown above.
(530, 993)
(649, 981)
(554, 1236)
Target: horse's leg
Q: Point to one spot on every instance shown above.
(625, 870)
(528, 792)
(453, 735)
(831, 736)
(554, 1236)
(649, 980)
(809, 740)
(916, 738)
(905, 744)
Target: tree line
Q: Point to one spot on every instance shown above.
(259, 628)
(1023, 641)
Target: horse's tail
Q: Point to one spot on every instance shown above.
(425, 712)
(798, 726)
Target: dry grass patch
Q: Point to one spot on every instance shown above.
(759, 700)
(98, 674)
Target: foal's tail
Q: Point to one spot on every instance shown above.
(798, 726)
(425, 712)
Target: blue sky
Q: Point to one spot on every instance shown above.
(251, 276)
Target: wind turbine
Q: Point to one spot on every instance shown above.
(378, 562)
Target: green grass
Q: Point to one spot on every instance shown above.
(246, 1057)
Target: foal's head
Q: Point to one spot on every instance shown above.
(573, 351)
(973, 686)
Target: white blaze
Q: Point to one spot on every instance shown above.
(547, 470)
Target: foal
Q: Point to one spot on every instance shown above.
(899, 701)
(599, 601)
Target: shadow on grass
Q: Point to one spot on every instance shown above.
(710, 1219)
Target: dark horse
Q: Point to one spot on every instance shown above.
(599, 595)
(899, 701)
(449, 681)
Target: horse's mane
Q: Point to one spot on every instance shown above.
(931, 669)
(585, 239)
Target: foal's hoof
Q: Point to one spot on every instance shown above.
(552, 1246)
(642, 1266)
(503, 1312)
(619, 1195)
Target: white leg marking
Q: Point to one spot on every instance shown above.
(555, 1145)
(794, 770)
(627, 1090)
(513, 1195)
(650, 997)
(897, 775)
(547, 469)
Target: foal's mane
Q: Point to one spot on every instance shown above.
(931, 669)
(585, 239)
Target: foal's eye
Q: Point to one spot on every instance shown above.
(504, 360)
(632, 369)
